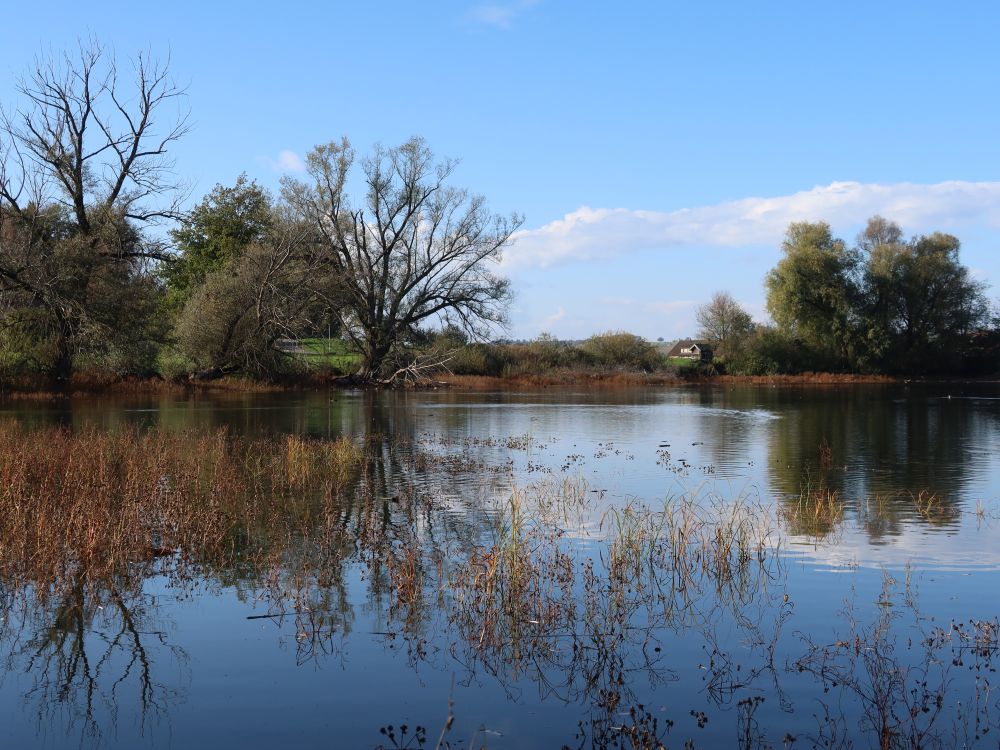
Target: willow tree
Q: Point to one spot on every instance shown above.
(813, 291)
(412, 252)
(888, 304)
(918, 298)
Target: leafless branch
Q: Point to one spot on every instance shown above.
(418, 250)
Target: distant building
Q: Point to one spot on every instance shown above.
(691, 349)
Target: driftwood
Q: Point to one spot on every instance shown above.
(420, 372)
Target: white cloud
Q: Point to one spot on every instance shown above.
(554, 317)
(498, 15)
(665, 308)
(288, 161)
(588, 233)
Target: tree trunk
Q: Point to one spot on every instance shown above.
(372, 359)
(62, 366)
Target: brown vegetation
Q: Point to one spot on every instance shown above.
(562, 377)
(101, 382)
(805, 378)
(79, 508)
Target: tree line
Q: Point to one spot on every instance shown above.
(89, 277)
(886, 304)
(100, 268)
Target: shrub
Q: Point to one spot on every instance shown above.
(546, 352)
(623, 350)
(773, 351)
(229, 324)
(174, 366)
(752, 363)
(477, 359)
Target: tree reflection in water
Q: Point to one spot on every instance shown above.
(92, 654)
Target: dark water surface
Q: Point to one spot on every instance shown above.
(873, 624)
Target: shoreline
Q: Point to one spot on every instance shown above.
(480, 382)
(101, 384)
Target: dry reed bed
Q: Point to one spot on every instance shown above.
(89, 506)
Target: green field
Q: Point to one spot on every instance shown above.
(333, 353)
(681, 362)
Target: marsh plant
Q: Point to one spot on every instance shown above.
(904, 686)
(82, 507)
(531, 603)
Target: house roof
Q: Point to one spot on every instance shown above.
(687, 344)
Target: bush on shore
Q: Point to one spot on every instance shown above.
(611, 351)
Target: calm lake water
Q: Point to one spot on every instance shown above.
(873, 622)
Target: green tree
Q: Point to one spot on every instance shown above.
(216, 231)
(888, 304)
(812, 293)
(880, 245)
(918, 299)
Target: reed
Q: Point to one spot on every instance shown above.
(697, 538)
(516, 591)
(85, 506)
(817, 511)
(518, 597)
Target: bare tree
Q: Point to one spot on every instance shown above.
(83, 167)
(725, 323)
(415, 251)
(85, 140)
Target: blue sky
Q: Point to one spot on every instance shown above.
(657, 150)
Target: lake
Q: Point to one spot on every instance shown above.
(811, 566)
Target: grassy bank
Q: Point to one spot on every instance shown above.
(94, 383)
(84, 384)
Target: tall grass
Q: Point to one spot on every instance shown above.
(517, 590)
(697, 542)
(84, 506)
(532, 585)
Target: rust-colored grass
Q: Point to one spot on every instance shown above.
(88, 507)
(816, 512)
(103, 382)
(806, 378)
(609, 378)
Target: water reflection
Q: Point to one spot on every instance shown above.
(92, 655)
(598, 618)
(884, 453)
(881, 439)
